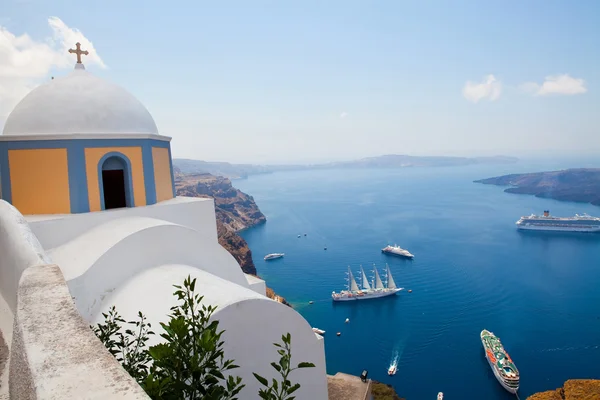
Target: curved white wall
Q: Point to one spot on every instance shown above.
(252, 324)
(97, 262)
(196, 213)
(19, 250)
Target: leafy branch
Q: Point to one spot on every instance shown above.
(284, 389)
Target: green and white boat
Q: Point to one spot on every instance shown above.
(504, 368)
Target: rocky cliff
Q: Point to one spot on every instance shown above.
(234, 210)
(581, 184)
(574, 389)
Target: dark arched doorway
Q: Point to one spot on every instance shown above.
(115, 183)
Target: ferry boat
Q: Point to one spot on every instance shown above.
(546, 222)
(397, 251)
(504, 368)
(373, 290)
(273, 256)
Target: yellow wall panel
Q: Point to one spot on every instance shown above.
(162, 173)
(92, 158)
(39, 181)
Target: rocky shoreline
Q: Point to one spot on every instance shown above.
(574, 389)
(234, 209)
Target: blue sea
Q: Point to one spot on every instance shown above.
(539, 292)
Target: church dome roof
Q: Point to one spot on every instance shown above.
(79, 103)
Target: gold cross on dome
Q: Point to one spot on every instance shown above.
(78, 51)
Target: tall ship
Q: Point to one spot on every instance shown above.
(547, 222)
(504, 368)
(397, 251)
(375, 289)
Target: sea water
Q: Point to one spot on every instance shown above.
(473, 270)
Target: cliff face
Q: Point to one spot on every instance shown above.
(234, 210)
(581, 185)
(574, 389)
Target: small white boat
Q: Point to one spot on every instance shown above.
(440, 396)
(347, 320)
(298, 235)
(392, 370)
(319, 331)
(273, 256)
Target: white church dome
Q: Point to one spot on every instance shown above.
(79, 103)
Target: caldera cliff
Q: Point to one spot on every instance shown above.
(234, 209)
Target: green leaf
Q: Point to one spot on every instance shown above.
(261, 379)
(306, 365)
(293, 388)
(277, 367)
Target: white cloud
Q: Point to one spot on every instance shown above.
(489, 88)
(555, 84)
(343, 115)
(25, 62)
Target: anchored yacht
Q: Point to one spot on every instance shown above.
(273, 256)
(397, 251)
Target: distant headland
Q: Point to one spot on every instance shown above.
(580, 185)
(234, 171)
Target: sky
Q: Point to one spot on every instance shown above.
(313, 81)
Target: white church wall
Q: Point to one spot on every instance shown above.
(54, 354)
(257, 284)
(196, 213)
(98, 261)
(252, 324)
(19, 249)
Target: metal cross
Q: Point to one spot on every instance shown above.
(79, 52)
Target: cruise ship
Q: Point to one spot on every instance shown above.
(397, 251)
(504, 368)
(546, 222)
(372, 290)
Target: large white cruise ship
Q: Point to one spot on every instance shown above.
(546, 222)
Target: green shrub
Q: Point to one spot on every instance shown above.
(190, 363)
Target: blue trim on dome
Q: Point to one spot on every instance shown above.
(148, 163)
(129, 199)
(78, 188)
(5, 173)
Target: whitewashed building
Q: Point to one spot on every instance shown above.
(84, 162)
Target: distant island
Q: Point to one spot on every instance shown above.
(234, 171)
(580, 185)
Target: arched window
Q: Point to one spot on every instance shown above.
(115, 181)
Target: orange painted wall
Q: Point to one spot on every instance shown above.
(39, 180)
(162, 173)
(92, 158)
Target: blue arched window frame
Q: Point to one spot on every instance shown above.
(129, 200)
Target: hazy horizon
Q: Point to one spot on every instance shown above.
(273, 83)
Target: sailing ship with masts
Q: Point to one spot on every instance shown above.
(372, 290)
